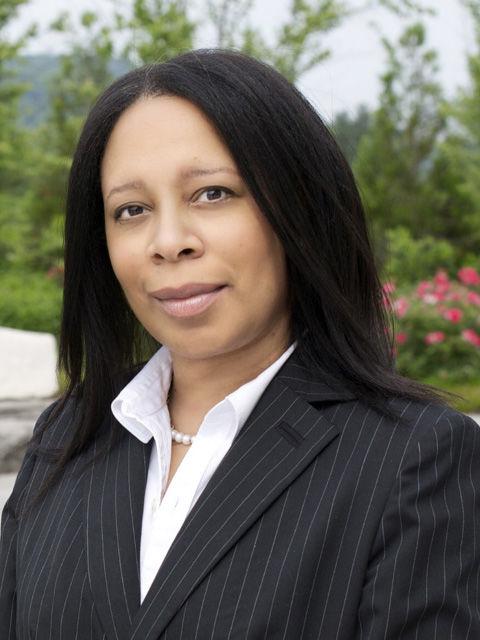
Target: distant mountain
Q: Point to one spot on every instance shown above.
(36, 71)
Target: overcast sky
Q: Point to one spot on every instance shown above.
(348, 78)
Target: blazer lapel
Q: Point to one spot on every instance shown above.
(114, 493)
(281, 436)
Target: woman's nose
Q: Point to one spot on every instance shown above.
(171, 239)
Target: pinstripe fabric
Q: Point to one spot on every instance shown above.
(324, 520)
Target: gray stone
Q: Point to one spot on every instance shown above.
(17, 419)
(7, 481)
(27, 364)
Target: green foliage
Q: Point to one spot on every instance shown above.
(298, 45)
(456, 177)
(405, 8)
(419, 164)
(15, 227)
(155, 30)
(30, 301)
(350, 129)
(12, 140)
(9, 49)
(408, 260)
(84, 72)
(395, 158)
(81, 75)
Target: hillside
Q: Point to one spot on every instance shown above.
(37, 71)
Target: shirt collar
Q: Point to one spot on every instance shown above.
(146, 395)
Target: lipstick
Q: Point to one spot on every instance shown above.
(191, 305)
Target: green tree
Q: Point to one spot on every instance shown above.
(10, 92)
(396, 157)
(13, 141)
(457, 170)
(350, 129)
(298, 44)
(155, 30)
(83, 72)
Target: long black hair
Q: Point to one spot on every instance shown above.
(303, 185)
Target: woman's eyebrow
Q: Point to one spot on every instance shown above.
(184, 174)
(136, 184)
(193, 172)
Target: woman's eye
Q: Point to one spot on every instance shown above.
(128, 212)
(212, 194)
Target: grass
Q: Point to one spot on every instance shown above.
(469, 390)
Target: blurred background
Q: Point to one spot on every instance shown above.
(397, 81)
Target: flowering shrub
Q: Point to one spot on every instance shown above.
(437, 325)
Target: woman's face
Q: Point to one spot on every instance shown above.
(178, 213)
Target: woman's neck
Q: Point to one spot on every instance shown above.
(198, 385)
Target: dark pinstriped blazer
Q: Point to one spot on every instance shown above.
(324, 520)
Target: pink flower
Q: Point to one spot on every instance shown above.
(441, 278)
(454, 296)
(473, 297)
(401, 306)
(469, 275)
(442, 289)
(434, 337)
(389, 287)
(401, 337)
(454, 315)
(471, 336)
(430, 298)
(423, 287)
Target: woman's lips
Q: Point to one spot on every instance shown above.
(194, 305)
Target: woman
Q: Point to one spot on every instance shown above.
(266, 473)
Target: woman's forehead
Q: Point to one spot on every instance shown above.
(168, 134)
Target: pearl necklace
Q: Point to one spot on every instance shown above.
(181, 438)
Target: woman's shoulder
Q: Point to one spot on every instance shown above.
(50, 427)
(442, 438)
(427, 419)
(55, 425)
(434, 435)
(427, 429)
